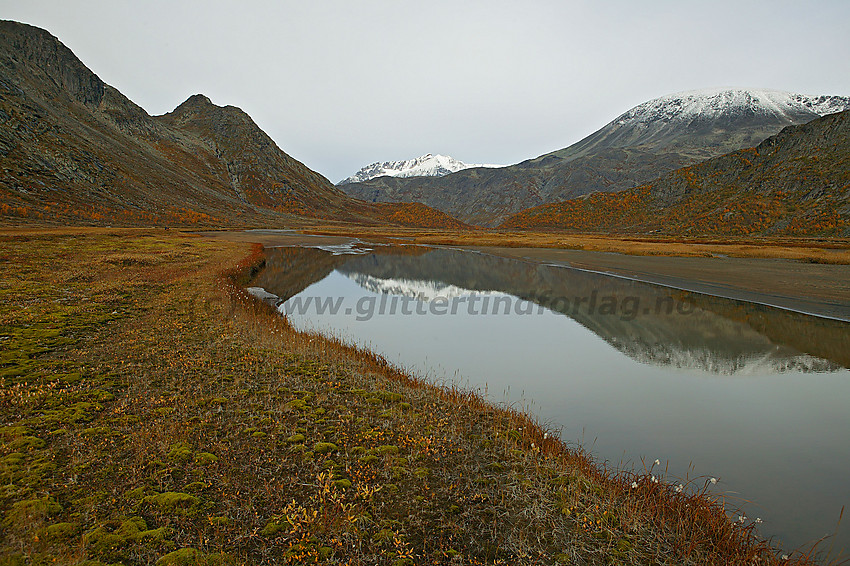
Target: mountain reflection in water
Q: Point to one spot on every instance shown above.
(650, 324)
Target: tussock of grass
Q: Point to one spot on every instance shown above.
(225, 437)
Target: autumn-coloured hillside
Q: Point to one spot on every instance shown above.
(794, 183)
(74, 150)
(417, 215)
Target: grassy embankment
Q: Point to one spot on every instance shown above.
(815, 250)
(152, 412)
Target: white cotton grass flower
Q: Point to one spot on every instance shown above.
(758, 520)
(784, 557)
(657, 462)
(713, 481)
(679, 488)
(634, 485)
(654, 479)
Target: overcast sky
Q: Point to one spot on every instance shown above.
(340, 84)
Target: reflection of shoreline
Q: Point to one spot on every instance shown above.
(775, 283)
(796, 306)
(627, 307)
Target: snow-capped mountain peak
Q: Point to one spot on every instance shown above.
(706, 123)
(428, 165)
(708, 104)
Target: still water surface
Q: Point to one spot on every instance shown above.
(754, 396)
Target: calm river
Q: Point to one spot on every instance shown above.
(754, 396)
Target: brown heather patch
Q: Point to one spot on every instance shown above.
(153, 412)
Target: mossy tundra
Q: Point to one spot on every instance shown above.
(153, 413)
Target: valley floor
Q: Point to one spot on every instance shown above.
(153, 412)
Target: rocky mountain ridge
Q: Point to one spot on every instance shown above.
(75, 150)
(705, 123)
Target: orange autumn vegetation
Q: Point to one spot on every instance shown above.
(796, 183)
(415, 214)
(725, 213)
(96, 214)
(287, 210)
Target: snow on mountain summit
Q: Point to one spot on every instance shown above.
(700, 124)
(708, 104)
(428, 165)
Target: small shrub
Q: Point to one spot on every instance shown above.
(182, 557)
(26, 443)
(60, 531)
(29, 510)
(297, 404)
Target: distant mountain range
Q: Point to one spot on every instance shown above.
(639, 146)
(428, 165)
(75, 150)
(796, 182)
